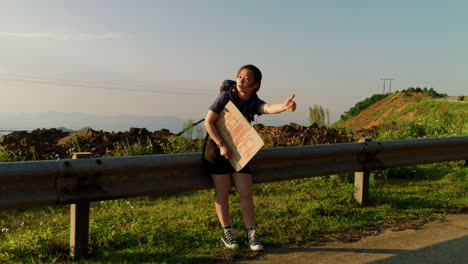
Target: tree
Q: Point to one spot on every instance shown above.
(189, 128)
(327, 114)
(318, 114)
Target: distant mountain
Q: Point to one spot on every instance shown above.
(76, 121)
(279, 122)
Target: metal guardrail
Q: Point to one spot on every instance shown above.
(55, 182)
(81, 181)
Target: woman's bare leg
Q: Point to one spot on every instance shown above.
(243, 183)
(223, 185)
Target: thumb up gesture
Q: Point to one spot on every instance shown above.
(289, 104)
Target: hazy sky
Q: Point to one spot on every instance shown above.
(170, 57)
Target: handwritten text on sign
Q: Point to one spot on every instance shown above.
(241, 138)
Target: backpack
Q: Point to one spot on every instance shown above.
(230, 86)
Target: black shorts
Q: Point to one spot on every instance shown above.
(214, 163)
(223, 166)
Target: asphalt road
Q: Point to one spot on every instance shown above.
(443, 241)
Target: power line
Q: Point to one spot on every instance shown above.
(99, 87)
(109, 86)
(72, 81)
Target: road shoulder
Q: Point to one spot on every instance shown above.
(436, 242)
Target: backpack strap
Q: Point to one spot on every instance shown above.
(231, 97)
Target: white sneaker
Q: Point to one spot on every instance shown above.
(252, 239)
(229, 239)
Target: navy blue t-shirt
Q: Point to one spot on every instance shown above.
(243, 105)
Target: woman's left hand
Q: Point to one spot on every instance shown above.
(289, 104)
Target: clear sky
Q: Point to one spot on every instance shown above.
(170, 57)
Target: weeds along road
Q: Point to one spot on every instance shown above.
(444, 241)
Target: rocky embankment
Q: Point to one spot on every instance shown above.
(42, 144)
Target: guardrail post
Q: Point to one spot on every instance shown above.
(79, 222)
(361, 182)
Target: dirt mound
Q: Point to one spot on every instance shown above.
(297, 135)
(37, 144)
(53, 144)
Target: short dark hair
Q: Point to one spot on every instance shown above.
(257, 74)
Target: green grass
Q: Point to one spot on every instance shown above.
(183, 228)
(432, 119)
(433, 109)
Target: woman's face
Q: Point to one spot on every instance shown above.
(246, 81)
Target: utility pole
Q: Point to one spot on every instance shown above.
(390, 81)
(387, 79)
(383, 79)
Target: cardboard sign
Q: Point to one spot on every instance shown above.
(237, 133)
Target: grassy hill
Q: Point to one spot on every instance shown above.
(414, 114)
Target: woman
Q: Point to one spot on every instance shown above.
(248, 83)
